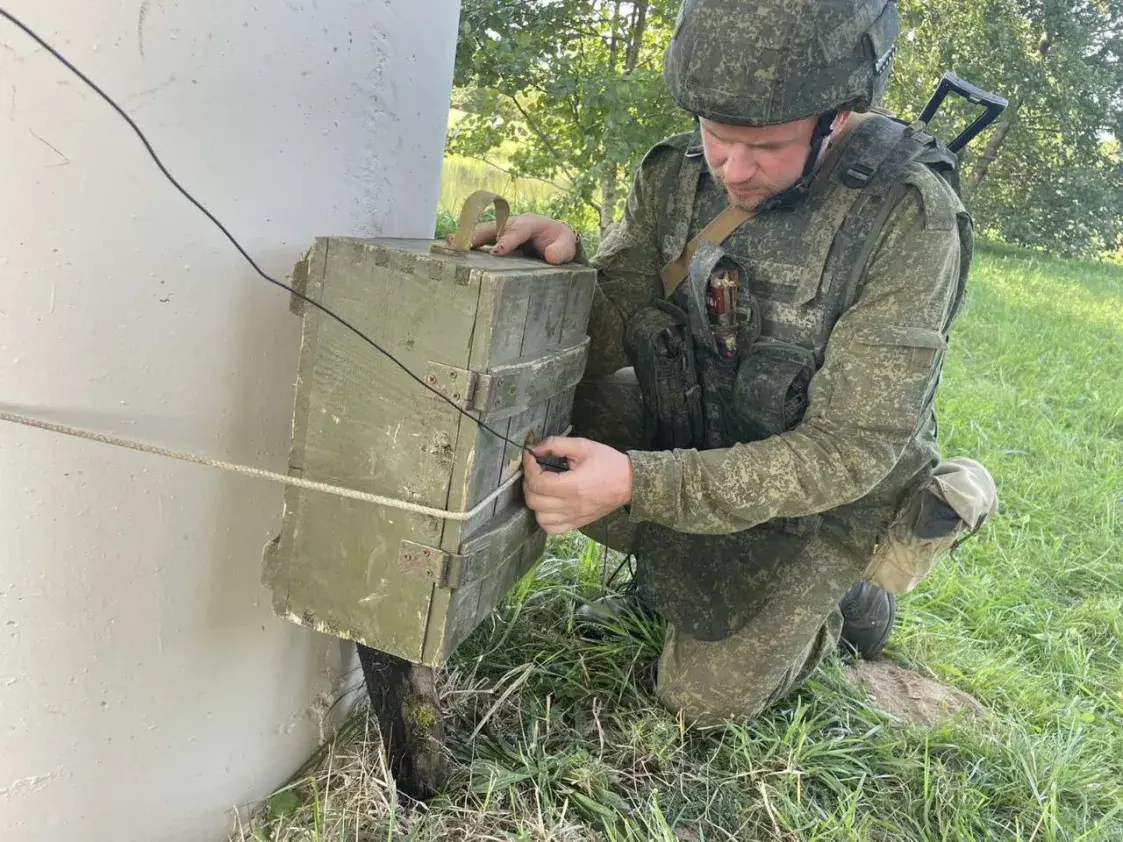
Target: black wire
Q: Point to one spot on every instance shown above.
(31, 34)
(626, 562)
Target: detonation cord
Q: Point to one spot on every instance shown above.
(187, 195)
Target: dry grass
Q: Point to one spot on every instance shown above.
(346, 792)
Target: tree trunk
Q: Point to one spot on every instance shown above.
(608, 178)
(608, 190)
(979, 173)
(980, 170)
(614, 41)
(403, 699)
(639, 27)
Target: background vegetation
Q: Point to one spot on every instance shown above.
(570, 91)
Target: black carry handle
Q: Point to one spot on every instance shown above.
(993, 103)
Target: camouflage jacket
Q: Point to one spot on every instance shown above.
(870, 400)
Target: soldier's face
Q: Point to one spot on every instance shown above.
(754, 164)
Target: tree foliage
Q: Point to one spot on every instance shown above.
(574, 86)
(572, 91)
(1047, 174)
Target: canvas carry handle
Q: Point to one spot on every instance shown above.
(475, 205)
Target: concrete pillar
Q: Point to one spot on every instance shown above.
(145, 687)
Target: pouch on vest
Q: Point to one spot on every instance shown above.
(717, 365)
(770, 391)
(769, 398)
(659, 344)
(945, 510)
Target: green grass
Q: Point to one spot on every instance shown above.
(460, 177)
(463, 176)
(1028, 618)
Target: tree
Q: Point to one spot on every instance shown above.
(574, 86)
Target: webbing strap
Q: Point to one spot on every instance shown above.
(717, 232)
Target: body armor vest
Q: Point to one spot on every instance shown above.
(801, 269)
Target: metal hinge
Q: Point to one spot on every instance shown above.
(511, 386)
(442, 568)
(457, 384)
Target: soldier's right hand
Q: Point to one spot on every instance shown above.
(553, 241)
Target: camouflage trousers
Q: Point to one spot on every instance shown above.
(785, 639)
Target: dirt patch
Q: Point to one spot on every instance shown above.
(910, 697)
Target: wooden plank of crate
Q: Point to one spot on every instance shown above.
(367, 425)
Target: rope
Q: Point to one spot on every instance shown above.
(259, 473)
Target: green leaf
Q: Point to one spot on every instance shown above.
(283, 805)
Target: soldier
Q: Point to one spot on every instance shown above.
(756, 423)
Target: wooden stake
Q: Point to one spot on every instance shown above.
(403, 698)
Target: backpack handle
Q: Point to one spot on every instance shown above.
(993, 104)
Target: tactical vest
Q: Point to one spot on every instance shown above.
(804, 268)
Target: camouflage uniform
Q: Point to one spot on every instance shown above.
(753, 517)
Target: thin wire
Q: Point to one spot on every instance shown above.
(66, 63)
(625, 563)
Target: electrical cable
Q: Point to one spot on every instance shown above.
(547, 462)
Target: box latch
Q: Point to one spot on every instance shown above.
(456, 384)
(531, 380)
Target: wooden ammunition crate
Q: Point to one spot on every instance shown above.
(506, 339)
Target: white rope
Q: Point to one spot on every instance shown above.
(245, 470)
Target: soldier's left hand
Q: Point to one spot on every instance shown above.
(598, 482)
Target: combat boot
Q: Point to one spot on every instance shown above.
(615, 610)
(868, 614)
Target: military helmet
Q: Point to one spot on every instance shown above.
(764, 62)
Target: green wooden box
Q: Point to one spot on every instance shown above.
(505, 338)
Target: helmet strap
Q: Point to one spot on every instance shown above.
(821, 132)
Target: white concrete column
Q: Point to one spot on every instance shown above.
(145, 687)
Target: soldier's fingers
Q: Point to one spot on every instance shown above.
(533, 476)
(561, 248)
(538, 480)
(531, 469)
(543, 504)
(513, 236)
(551, 484)
(570, 448)
(483, 234)
(555, 524)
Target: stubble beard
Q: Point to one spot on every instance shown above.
(745, 203)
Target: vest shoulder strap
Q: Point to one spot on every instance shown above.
(674, 223)
(902, 147)
(717, 232)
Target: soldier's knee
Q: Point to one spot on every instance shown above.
(701, 705)
(739, 678)
(712, 683)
